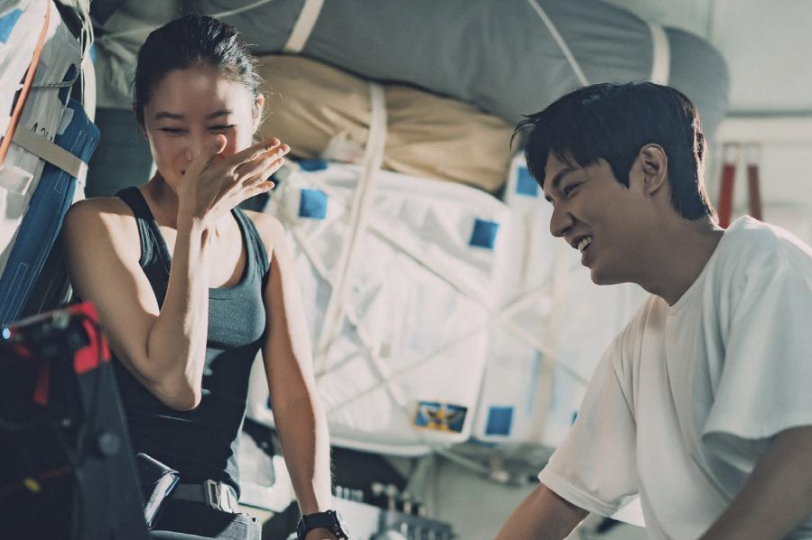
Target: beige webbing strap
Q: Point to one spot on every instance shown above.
(304, 25)
(50, 152)
(373, 158)
(661, 54)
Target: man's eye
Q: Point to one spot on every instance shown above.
(569, 189)
(222, 128)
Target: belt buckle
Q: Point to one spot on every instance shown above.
(218, 496)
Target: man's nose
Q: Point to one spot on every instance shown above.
(560, 222)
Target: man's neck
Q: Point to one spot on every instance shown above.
(681, 251)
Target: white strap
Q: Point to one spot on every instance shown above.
(661, 54)
(373, 158)
(560, 41)
(304, 25)
(50, 152)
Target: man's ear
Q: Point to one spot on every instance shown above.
(654, 166)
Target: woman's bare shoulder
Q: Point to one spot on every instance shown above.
(270, 229)
(107, 216)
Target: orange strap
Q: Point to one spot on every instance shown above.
(28, 82)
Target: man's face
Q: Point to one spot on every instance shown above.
(600, 217)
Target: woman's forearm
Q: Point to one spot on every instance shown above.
(302, 428)
(176, 344)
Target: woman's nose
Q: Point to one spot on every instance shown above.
(199, 144)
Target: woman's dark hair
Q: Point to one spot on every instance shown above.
(192, 40)
(613, 122)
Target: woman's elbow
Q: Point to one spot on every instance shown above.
(181, 396)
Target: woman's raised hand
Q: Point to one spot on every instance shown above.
(213, 185)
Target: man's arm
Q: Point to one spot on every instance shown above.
(778, 495)
(543, 515)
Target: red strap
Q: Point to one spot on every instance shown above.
(726, 190)
(27, 83)
(43, 374)
(88, 358)
(753, 182)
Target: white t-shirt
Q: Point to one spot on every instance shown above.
(686, 399)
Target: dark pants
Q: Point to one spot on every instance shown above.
(184, 520)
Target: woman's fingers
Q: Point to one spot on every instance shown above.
(255, 152)
(263, 166)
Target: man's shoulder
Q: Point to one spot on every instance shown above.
(752, 238)
(750, 247)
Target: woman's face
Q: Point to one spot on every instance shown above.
(189, 108)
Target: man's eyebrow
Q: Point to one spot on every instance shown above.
(557, 181)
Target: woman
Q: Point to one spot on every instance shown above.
(184, 334)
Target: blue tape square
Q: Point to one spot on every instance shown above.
(484, 234)
(7, 23)
(525, 183)
(500, 420)
(312, 165)
(313, 204)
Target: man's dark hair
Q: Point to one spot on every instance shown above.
(613, 122)
(192, 40)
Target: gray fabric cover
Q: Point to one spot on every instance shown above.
(496, 54)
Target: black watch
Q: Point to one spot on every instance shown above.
(330, 520)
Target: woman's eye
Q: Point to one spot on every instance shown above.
(173, 131)
(222, 128)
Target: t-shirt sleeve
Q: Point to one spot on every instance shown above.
(594, 467)
(765, 376)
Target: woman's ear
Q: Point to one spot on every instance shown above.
(259, 105)
(140, 122)
(654, 164)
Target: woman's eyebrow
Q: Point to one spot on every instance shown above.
(165, 115)
(221, 112)
(168, 116)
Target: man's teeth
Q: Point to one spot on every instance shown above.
(582, 245)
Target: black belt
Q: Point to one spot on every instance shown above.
(217, 495)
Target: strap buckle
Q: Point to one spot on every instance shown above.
(220, 496)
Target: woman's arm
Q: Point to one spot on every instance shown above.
(164, 347)
(288, 360)
(159, 346)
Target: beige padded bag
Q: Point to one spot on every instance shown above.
(321, 111)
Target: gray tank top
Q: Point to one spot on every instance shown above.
(202, 443)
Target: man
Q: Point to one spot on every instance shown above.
(702, 406)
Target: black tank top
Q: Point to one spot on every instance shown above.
(202, 443)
